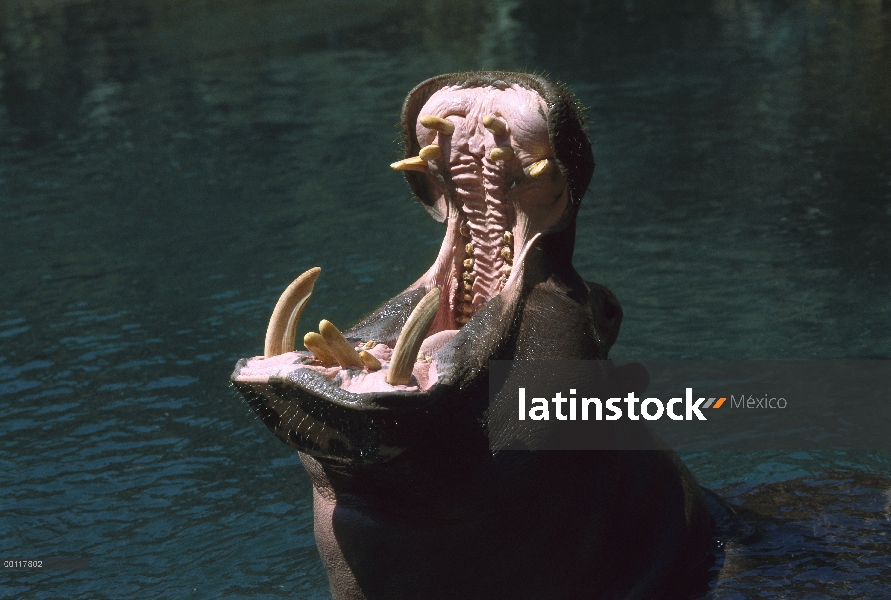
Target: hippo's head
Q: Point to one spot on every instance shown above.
(502, 159)
(418, 492)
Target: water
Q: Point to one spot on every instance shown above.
(167, 168)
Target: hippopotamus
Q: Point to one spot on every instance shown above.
(392, 418)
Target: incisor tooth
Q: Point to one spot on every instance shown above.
(494, 124)
(501, 153)
(316, 344)
(369, 345)
(540, 168)
(282, 329)
(437, 124)
(431, 152)
(342, 350)
(370, 361)
(409, 342)
(415, 163)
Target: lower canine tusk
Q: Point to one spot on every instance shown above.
(282, 329)
(409, 342)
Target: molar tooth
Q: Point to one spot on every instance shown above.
(342, 350)
(437, 124)
(370, 361)
(501, 153)
(462, 319)
(465, 308)
(415, 163)
(431, 152)
(508, 238)
(495, 125)
(540, 168)
(466, 297)
(468, 286)
(506, 270)
(468, 262)
(506, 253)
(369, 345)
(409, 342)
(468, 249)
(282, 329)
(464, 230)
(316, 344)
(469, 275)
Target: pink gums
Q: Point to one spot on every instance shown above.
(358, 381)
(480, 182)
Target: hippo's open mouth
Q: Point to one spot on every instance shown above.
(501, 159)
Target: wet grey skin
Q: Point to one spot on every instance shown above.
(411, 502)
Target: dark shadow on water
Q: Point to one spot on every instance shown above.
(815, 537)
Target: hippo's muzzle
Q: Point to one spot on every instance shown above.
(501, 159)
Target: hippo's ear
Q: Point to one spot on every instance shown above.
(572, 148)
(436, 205)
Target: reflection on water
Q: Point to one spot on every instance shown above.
(807, 536)
(166, 168)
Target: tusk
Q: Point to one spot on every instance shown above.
(431, 152)
(501, 153)
(540, 168)
(415, 163)
(437, 124)
(342, 350)
(282, 327)
(316, 344)
(409, 342)
(370, 361)
(495, 125)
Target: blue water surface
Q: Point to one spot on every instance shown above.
(167, 168)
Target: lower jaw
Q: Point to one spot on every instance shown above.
(362, 365)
